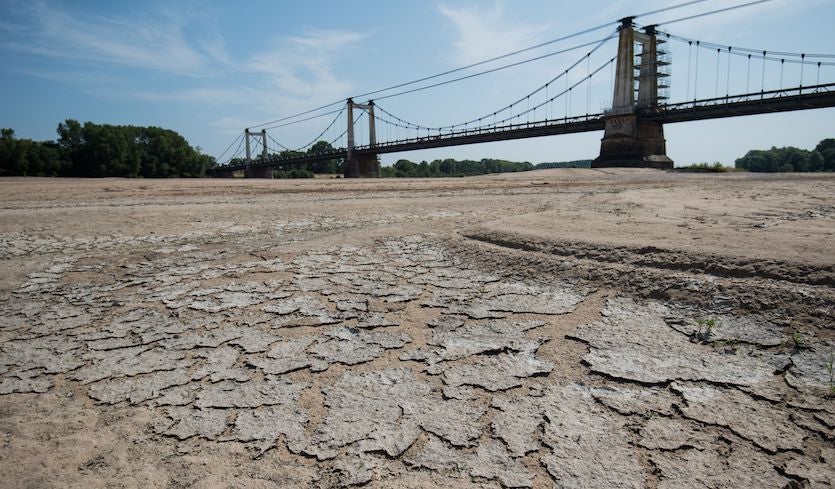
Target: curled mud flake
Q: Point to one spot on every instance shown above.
(437, 456)
(581, 437)
(737, 465)
(310, 284)
(460, 393)
(219, 364)
(553, 302)
(811, 370)
(636, 400)
(401, 405)
(287, 356)
(129, 362)
(752, 419)
(360, 305)
(474, 311)
(264, 425)
(53, 355)
(252, 394)
(447, 282)
(398, 293)
(248, 287)
(660, 433)
(195, 338)
(445, 323)
(417, 355)
(454, 421)
(254, 340)
(633, 342)
(178, 395)
(224, 301)
(137, 389)
(819, 472)
(730, 330)
(496, 372)
(518, 422)
(820, 422)
(353, 470)
(493, 462)
(375, 320)
(25, 381)
(351, 346)
(189, 422)
(350, 400)
(304, 311)
(494, 336)
(115, 343)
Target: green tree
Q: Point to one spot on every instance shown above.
(325, 166)
(826, 149)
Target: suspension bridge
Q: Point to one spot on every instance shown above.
(639, 75)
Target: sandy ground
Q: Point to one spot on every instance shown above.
(557, 328)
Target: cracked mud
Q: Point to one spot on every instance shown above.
(403, 359)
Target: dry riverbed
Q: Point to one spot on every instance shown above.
(557, 328)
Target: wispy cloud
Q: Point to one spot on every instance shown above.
(301, 65)
(291, 72)
(485, 32)
(52, 32)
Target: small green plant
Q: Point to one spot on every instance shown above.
(705, 330)
(649, 415)
(799, 339)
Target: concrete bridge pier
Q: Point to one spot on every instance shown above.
(628, 139)
(365, 164)
(224, 174)
(259, 172)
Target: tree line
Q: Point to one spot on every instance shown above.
(790, 159)
(103, 150)
(453, 168)
(564, 164)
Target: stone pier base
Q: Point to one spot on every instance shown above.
(363, 166)
(631, 142)
(259, 172)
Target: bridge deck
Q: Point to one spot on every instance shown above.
(800, 98)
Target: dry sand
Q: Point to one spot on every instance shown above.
(556, 328)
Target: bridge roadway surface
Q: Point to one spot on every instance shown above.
(812, 97)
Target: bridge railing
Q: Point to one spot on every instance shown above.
(482, 130)
(751, 97)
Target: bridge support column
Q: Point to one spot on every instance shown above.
(361, 165)
(628, 139)
(259, 172)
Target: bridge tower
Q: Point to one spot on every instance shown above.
(256, 172)
(365, 164)
(629, 140)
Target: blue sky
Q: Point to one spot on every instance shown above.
(208, 69)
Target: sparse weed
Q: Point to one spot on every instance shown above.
(799, 339)
(649, 415)
(705, 330)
